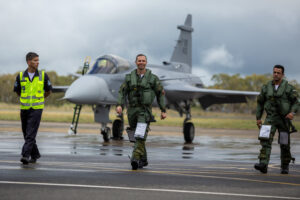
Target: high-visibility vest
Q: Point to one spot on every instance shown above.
(32, 93)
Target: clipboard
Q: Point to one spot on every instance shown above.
(140, 130)
(264, 132)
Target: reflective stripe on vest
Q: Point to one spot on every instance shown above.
(32, 97)
(33, 104)
(32, 92)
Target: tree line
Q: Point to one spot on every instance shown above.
(252, 82)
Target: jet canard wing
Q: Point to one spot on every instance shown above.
(207, 97)
(56, 89)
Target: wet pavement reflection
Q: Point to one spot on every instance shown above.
(221, 148)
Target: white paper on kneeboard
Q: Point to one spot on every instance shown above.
(265, 131)
(140, 130)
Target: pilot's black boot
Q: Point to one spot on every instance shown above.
(263, 168)
(143, 163)
(284, 169)
(25, 160)
(34, 159)
(134, 164)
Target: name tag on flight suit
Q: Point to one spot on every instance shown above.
(264, 132)
(140, 130)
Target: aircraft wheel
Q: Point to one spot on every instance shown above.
(117, 129)
(188, 132)
(106, 134)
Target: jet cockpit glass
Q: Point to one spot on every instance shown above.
(104, 66)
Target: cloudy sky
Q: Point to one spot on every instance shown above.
(230, 36)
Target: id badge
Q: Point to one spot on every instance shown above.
(140, 130)
(264, 132)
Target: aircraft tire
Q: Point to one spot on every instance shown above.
(189, 132)
(106, 134)
(117, 129)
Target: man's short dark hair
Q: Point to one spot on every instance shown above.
(139, 56)
(279, 67)
(31, 55)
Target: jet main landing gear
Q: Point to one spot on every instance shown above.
(188, 126)
(118, 128)
(188, 132)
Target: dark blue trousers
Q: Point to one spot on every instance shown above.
(30, 124)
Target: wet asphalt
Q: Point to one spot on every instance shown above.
(215, 166)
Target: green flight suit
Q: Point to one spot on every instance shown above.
(277, 104)
(140, 92)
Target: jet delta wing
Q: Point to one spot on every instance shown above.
(99, 87)
(207, 97)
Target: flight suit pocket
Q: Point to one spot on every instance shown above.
(283, 138)
(147, 100)
(284, 108)
(148, 97)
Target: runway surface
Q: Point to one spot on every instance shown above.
(216, 166)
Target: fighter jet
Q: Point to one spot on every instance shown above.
(99, 87)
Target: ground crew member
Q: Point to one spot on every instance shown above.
(140, 87)
(280, 101)
(33, 87)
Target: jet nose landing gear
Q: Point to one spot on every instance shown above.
(105, 132)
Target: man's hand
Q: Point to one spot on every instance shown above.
(119, 110)
(163, 115)
(258, 123)
(290, 116)
(46, 94)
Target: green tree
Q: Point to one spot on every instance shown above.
(252, 82)
(6, 87)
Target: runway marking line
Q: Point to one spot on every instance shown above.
(167, 172)
(185, 171)
(227, 178)
(161, 168)
(146, 189)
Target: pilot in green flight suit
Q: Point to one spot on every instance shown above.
(140, 87)
(280, 101)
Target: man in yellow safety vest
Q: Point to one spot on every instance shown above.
(32, 86)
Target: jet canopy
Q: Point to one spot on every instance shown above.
(110, 64)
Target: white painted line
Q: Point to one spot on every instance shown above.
(147, 189)
(47, 169)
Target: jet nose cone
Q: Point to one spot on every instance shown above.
(89, 90)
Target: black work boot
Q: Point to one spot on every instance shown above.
(143, 163)
(25, 160)
(134, 164)
(263, 168)
(34, 159)
(284, 169)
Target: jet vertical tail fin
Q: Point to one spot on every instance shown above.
(183, 49)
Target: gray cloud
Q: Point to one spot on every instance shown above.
(230, 36)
